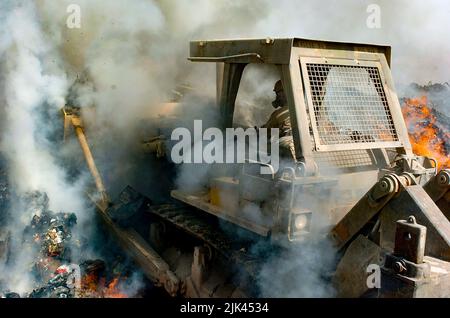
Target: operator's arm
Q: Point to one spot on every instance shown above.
(269, 123)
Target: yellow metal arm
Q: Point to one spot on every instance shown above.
(72, 117)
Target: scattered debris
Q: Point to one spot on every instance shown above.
(49, 237)
(57, 287)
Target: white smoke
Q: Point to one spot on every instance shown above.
(32, 83)
(33, 87)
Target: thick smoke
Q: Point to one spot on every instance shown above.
(33, 86)
(303, 272)
(33, 89)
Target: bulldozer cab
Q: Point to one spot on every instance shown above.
(341, 96)
(347, 128)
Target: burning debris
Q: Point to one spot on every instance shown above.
(57, 287)
(88, 280)
(49, 237)
(51, 231)
(429, 130)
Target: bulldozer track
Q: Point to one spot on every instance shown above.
(195, 224)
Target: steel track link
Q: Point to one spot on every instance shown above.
(198, 225)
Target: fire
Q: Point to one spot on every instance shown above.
(93, 286)
(112, 291)
(426, 137)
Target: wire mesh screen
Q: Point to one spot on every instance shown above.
(350, 104)
(344, 159)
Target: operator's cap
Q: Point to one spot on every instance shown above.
(278, 86)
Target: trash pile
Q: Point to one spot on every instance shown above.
(49, 238)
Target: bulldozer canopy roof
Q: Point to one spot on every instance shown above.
(271, 50)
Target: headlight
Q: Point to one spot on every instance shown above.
(299, 223)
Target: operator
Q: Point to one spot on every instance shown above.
(280, 119)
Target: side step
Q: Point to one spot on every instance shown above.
(201, 204)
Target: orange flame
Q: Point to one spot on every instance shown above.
(426, 138)
(112, 291)
(94, 287)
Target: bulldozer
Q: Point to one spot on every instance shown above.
(353, 180)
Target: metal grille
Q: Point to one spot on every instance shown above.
(344, 159)
(350, 104)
